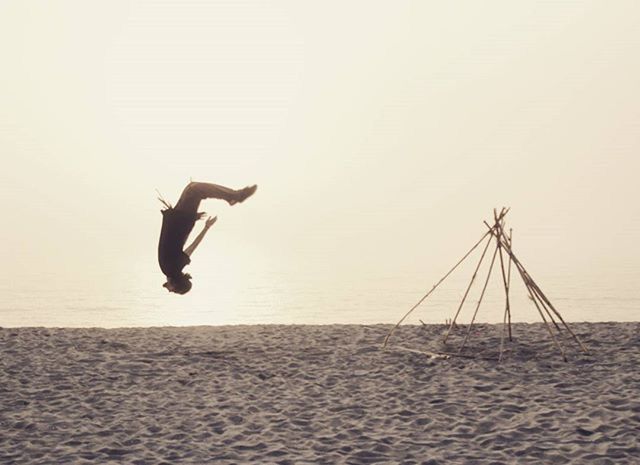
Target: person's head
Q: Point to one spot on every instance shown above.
(179, 285)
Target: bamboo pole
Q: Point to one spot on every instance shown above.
(437, 354)
(486, 282)
(497, 218)
(509, 283)
(533, 298)
(500, 234)
(506, 288)
(531, 284)
(500, 238)
(546, 309)
(557, 313)
(506, 292)
(466, 293)
(521, 270)
(504, 325)
(543, 298)
(422, 352)
(386, 339)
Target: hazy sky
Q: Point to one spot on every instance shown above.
(380, 134)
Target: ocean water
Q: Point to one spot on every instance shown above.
(261, 294)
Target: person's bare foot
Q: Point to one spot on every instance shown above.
(244, 194)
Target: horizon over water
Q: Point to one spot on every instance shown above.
(259, 293)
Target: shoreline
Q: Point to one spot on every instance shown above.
(290, 394)
(295, 325)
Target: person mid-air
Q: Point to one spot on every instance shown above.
(177, 223)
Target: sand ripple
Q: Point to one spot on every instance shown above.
(315, 394)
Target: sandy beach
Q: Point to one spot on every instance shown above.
(316, 394)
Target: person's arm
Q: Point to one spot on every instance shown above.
(189, 250)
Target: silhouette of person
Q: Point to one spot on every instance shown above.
(177, 224)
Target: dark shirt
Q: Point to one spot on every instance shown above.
(176, 227)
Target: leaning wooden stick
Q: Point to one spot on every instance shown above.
(521, 269)
(543, 297)
(557, 313)
(533, 298)
(466, 292)
(506, 293)
(509, 283)
(486, 282)
(503, 212)
(504, 325)
(498, 236)
(544, 306)
(386, 339)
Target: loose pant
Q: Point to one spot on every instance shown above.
(197, 191)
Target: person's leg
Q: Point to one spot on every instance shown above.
(197, 191)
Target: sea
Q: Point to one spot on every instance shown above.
(249, 294)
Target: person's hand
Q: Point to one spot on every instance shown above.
(210, 221)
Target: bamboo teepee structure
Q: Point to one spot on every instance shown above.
(503, 254)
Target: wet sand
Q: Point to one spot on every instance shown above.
(317, 394)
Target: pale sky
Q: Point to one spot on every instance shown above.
(380, 134)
